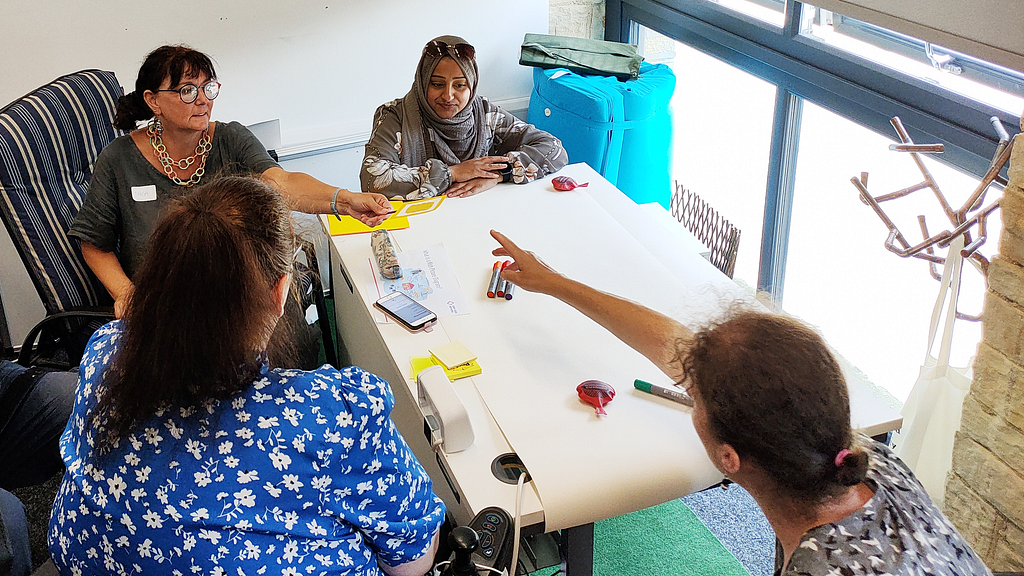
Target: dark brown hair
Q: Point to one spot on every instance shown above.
(174, 62)
(773, 391)
(203, 308)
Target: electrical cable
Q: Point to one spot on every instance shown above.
(516, 522)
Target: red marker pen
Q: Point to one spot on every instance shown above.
(493, 284)
(502, 283)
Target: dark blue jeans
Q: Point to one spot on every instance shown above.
(29, 453)
(33, 420)
(15, 552)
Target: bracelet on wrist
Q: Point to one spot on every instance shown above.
(334, 204)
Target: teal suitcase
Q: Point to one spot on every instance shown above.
(622, 129)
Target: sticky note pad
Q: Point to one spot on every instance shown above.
(470, 368)
(452, 354)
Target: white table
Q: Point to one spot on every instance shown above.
(535, 350)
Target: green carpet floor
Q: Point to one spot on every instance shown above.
(664, 540)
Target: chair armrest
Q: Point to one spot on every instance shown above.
(25, 355)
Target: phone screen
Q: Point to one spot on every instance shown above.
(406, 310)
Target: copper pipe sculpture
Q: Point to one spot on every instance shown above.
(970, 216)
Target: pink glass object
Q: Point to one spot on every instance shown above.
(597, 394)
(564, 183)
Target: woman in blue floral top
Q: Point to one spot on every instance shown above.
(187, 453)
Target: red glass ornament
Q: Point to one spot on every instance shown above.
(565, 184)
(597, 394)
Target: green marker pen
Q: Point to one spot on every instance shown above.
(673, 395)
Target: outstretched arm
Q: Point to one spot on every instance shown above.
(650, 333)
(307, 194)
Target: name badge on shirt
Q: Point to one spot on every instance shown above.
(144, 193)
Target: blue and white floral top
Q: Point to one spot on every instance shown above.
(301, 473)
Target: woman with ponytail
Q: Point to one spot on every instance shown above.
(772, 410)
(178, 147)
(193, 449)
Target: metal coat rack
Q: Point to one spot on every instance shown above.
(972, 214)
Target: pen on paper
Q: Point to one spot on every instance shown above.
(673, 395)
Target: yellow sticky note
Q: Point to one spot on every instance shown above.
(420, 363)
(452, 354)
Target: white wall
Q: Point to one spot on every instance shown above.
(322, 66)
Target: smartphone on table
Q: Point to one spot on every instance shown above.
(406, 311)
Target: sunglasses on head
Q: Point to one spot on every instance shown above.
(439, 49)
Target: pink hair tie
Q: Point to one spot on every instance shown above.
(841, 457)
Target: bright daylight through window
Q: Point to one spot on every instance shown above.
(872, 306)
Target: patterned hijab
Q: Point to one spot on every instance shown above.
(426, 135)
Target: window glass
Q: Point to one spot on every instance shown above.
(768, 11)
(872, 306)
(961, 74)
(722, 125)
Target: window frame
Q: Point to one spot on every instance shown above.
(855, 88)
(973, 68)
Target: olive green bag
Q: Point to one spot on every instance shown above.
(581, 55)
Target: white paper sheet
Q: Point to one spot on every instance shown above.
(535, 350)
(427, 277)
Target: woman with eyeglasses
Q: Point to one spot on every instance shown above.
(444, 138)
(136, 175)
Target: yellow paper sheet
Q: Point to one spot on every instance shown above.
(349, 225)
(398, 221)
(417, 206)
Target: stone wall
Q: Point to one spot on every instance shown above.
(577, 18)
(985, 490)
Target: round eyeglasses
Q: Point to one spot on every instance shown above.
(189, 92)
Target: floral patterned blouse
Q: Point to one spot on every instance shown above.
(898, 532)
(532, 152)
(300, 473)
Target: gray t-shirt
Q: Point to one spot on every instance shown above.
(127, 194)
(898, 532)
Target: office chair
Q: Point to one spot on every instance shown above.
(312, 294)
(708, 226)
(49, 141)
(307, 276)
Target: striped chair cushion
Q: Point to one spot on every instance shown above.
(49, 141)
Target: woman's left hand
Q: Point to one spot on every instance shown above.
(367, 207)
(471, 187)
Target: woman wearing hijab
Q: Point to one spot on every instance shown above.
(444, 138)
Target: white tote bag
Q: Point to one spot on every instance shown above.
(931, 415)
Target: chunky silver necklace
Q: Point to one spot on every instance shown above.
(156, 139)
